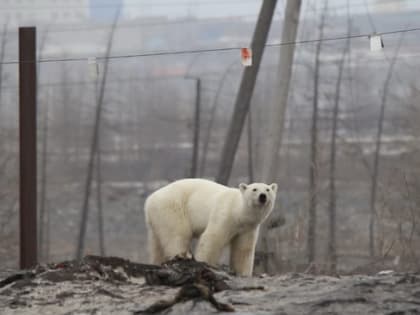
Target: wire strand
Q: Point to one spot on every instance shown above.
(210, 50)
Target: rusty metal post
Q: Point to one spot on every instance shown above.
(27, 147)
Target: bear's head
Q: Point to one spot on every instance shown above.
(259, 199)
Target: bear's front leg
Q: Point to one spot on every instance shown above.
(242, 251)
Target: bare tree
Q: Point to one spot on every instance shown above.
(196, 129)
(2, 54)
(246, 90)
(207, 135)
(6, 212)
(378, 144)
(43, 192)
(193, 172)
(94, 144)
(99, 202)
(44, 159)
(331, 246)
(101, 236)
(313, 167)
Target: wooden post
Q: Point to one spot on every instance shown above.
(27, 146)
(246, 90)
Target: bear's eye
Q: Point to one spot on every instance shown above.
(255, 189)
(268, 189)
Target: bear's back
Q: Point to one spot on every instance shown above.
(196, 197)
(191, 186)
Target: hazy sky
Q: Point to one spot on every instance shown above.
(218, 8)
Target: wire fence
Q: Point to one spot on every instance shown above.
(146, 137)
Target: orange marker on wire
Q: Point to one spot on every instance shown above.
(246, 56)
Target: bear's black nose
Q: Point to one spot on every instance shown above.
(262, 198)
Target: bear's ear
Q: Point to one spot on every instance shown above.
(242, 187)
(273, 187)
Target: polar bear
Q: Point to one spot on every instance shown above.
(216, 214)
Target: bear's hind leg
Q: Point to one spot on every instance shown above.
(170, 232)
(155, 249)
(174, 232)
(175, 244)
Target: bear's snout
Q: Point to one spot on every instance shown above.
(262, 198)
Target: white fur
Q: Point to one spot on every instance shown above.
(218, 215)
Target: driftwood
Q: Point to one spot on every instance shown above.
(91, 267)
(188, 292)
(197, 279)
(16, 277)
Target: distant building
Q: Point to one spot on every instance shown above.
(34, 12)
